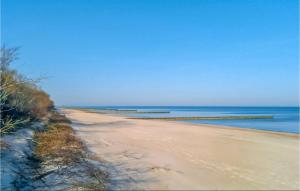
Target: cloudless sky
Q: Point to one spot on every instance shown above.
(158, 52)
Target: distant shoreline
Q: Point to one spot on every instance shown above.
(206, 118)
(189, 123)
(187, 119)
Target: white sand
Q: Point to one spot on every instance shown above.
(148, 154)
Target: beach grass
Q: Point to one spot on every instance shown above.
(58, 141)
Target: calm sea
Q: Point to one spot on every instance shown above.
(286, 119)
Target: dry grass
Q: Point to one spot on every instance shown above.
(3, 145)
(59, 143)
(58, 118)
(59, 146)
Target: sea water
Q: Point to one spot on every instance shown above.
(285, 119)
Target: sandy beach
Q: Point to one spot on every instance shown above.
(153, 154)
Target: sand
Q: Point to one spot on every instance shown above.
(146, 154)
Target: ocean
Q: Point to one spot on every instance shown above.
(285, 119)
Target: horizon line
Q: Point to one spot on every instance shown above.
(176, 106)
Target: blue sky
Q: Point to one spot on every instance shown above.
(158, 52)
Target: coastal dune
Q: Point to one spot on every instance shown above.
(153, 154)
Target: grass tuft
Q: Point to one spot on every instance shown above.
(58, 142)
(58, 146)
(59, 118)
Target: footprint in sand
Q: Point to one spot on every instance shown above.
(163, 169)
(159, 168)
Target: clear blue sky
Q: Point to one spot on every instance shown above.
(158, 52)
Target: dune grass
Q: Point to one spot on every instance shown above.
(57, 152)
(58, 142)
(57, 146)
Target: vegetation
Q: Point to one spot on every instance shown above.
(58, 146)
(21, 101)
(58, 142)
(56, 151)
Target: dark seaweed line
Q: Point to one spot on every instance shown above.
(205, 118)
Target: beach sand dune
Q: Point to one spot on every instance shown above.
(145, 154)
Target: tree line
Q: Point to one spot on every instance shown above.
(21, 100)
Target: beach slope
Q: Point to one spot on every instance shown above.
(153, 154)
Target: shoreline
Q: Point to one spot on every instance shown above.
(154, 154)
(189, 123)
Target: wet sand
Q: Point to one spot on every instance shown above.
(153, 154)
